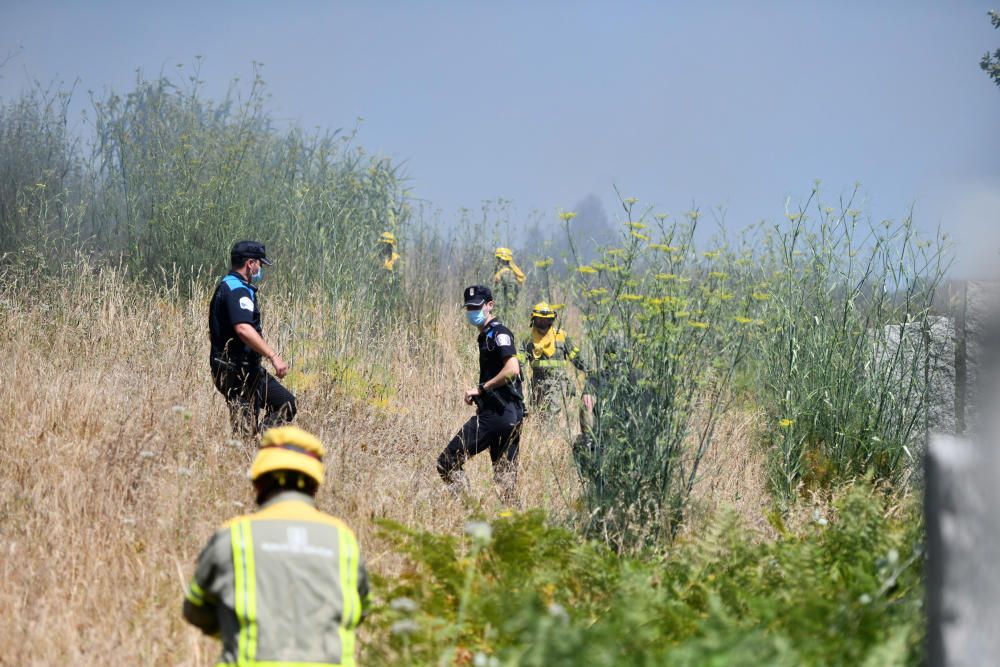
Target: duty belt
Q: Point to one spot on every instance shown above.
(497, 398)
(240, 364)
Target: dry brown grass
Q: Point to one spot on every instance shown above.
(116, 462)
(733, 475)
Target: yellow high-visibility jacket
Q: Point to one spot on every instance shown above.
(390, 262)
(283, 586)
(550, 351)
(508, 271)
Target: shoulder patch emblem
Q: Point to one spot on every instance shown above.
(504, 340)
(246, 303)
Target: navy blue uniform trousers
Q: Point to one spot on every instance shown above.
(493, 427)
(248, 389)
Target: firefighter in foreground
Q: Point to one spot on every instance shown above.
(387, 243)
(287, 584)
(499, 402)
(238, 346)
(507, 277)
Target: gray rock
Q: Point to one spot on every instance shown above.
(940, 339)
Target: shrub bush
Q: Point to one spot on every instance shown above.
(845, 589)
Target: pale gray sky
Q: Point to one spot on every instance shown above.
(716, 103)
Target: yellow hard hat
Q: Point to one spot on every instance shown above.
(504, 254)
(388, 237)
(543, 311)
(289, 448)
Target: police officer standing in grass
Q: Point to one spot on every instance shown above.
(498, 398)
(238, 346)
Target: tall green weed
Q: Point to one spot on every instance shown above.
(844, 397)
(174, 178)
(44, 189)
(184, 177)
(667, 332)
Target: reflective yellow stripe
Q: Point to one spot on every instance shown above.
(239, 586)
(353, 573)
(348, 596)
(195, 594)
(245, 593)
(547, 363)
(251, 596)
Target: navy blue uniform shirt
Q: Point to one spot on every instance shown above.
(234, 302)
(496, 346)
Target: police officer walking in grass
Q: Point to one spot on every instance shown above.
(498, 398)
(238, 345)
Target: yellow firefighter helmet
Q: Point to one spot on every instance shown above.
(543, 311)
(289, 448)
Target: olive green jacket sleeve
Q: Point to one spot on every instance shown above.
(200, 601)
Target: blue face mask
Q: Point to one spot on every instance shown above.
(256, 277)
(477, 318)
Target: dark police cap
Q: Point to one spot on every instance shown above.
(244, 250)
(477, 295)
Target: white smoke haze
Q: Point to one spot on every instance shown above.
(976, 222)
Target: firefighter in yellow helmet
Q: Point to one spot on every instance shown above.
(507, 277)
(547, 351)
(387, 243)
(286, 584)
